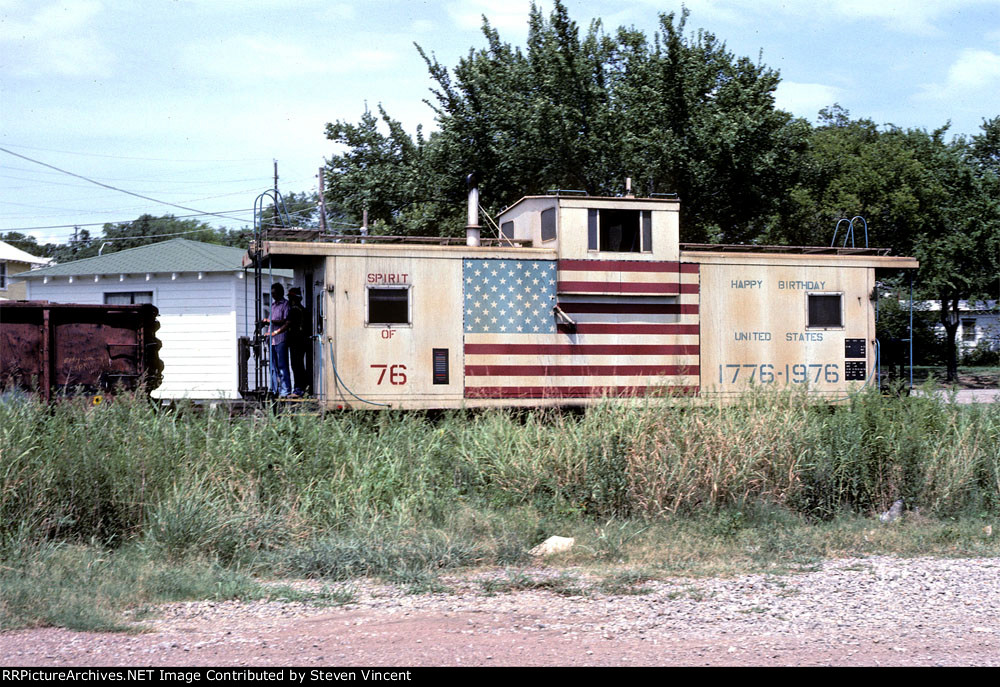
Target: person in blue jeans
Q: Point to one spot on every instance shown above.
(298, 340)
(281, 382)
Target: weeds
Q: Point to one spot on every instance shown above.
(771, 482)
(563, 584)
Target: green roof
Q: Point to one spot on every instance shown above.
(177, 255)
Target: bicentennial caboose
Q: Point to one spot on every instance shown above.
(579, 298)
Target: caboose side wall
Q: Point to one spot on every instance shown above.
(384, 362)
(646, 319)
(394, 363)
(755, 323)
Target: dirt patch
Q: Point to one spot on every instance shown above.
(876, 611)
(978, 380)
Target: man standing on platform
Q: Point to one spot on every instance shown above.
(298, 339)
(281, 383)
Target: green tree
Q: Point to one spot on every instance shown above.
(147, 229)
(962, 259)
(583, 111)
(920, 194)
(297, 210)
(383, 173)
(142, 231)
(701, 122)
(853, 168)
(82, 245)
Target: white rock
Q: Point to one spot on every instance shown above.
(553, 545)
(893, 513)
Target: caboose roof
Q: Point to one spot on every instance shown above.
(576, 200)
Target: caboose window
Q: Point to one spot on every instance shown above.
(548, 224)
(388, 305)
(620, 231)
(825, 310)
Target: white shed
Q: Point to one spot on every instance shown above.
(14, 262)
(204, 297)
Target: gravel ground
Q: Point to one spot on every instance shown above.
(870, 611)
(966, 396)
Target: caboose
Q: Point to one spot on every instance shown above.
(576, 298)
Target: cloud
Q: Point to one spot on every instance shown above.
(252, 58)
(974, 73)
(907, 16)
(56, 39)
(423, 26)
(805, 99)
(503, 14)
(337, 11)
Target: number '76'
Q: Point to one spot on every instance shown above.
(397, 375)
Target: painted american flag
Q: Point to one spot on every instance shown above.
(636, 328)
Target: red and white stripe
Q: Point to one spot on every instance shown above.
(636, 334)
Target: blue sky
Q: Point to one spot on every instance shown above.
(190, 102)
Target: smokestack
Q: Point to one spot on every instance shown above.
(472, 228)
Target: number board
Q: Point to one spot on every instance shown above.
(854, 348)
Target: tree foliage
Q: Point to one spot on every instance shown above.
(573, 110)
(920, 195)
(380, 173)
(678, 113)
(142, 231)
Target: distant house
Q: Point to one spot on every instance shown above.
(13, 262)
(204, 299)
(979, 323)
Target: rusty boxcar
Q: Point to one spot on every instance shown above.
(577, 298)
(58, 348)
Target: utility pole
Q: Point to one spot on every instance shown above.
(276, 220)
(322, 203)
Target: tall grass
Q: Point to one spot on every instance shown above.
(183, 481)
(115, 497)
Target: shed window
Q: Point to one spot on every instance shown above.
(825, 310)
(968, 329)
(507, 230)
(3, 275)
(620, 231)
(128, 297)
(388, 305)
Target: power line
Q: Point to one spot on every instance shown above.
(296, 214)
(188, 181)
(95, 239)
(124, 221)
(60, 211)
(115, 188)
(105, 239)
(127, 157)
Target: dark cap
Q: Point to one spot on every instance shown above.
(295, 291)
